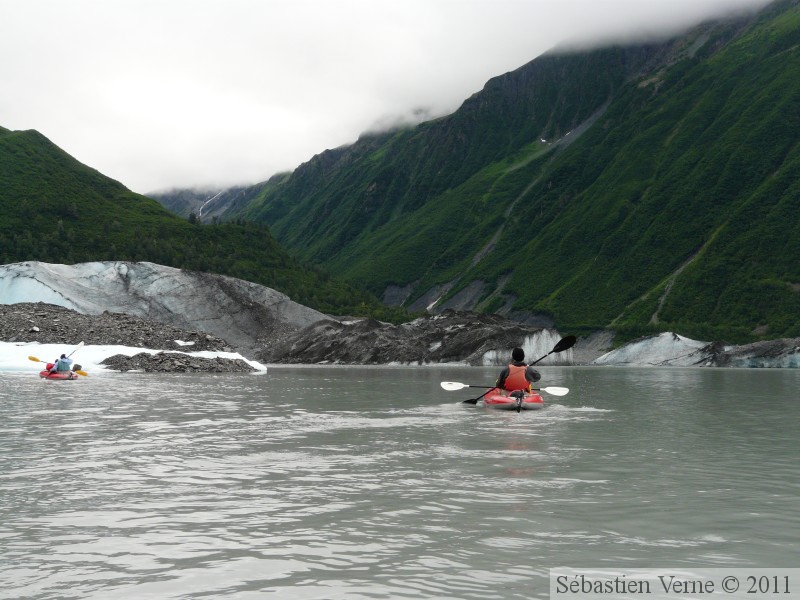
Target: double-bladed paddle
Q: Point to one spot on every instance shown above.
(454, 385)
(78, 371)
(563, 344)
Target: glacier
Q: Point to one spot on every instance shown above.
(260, 321)
(665, 349)
(243, 313)
(535, 347)
(672, 350)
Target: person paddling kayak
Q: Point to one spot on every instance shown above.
(517, 375)
(62, 364)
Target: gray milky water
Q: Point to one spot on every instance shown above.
(376, 483)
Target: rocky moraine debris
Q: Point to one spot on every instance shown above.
(170, 362)
(51, 324)
(452, 336)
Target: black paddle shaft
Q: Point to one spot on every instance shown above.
(564, 344)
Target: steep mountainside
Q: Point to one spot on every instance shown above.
(645, 188)
(57, 210)
(331, 203)
(206, 205)
(185, 202)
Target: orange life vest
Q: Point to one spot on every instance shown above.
(516, 379)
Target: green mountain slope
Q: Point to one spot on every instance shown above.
(664, 197)
(681, 204)
(343, 194)
(56, 209)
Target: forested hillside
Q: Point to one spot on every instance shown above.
(57, 210)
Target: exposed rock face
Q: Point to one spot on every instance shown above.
(169, 362)
(449, 337)
(243, 313)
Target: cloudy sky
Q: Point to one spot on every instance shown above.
(185, 93)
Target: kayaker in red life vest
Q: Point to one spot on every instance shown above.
(518, 375)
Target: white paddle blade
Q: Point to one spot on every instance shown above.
(76, 349)
(451, 386)
(556, 391)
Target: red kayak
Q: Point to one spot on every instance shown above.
(528, 401)
(66, 375)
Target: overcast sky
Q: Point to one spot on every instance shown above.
(185, 93)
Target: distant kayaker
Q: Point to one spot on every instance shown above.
(517, 375)
(62, 364)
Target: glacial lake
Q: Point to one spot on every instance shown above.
(352, 483)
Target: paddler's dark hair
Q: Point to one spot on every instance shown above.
(518, 354)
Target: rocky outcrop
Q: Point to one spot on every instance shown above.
(450, 337)
(783, 353)
(472, 338)
(170, 362)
